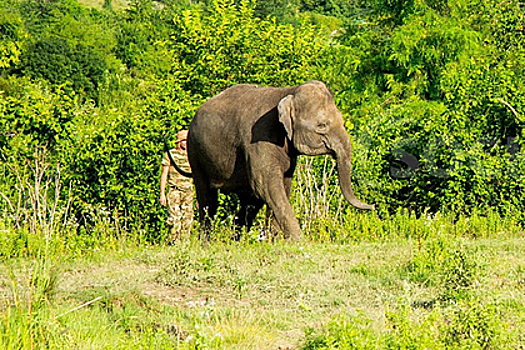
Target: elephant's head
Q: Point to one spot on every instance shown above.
(315, 126)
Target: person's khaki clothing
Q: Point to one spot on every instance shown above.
(180, 196)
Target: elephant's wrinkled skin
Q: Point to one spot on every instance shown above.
(246, 140)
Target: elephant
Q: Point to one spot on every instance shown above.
(246, 140)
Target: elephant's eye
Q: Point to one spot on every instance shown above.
(322, 127)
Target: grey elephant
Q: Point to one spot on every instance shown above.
(246, 141)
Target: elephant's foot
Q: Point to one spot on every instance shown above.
(290, 232)
(294, 236)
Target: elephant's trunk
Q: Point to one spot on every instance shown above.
(343, 155)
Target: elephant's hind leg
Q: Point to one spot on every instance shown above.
(250, 207)
(207, 199)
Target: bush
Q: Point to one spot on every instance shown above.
(440, 262)
(12, 35)
(56, 61)
(436, 102)
(115, 169)
(142, 31)
(36, 116)
(468, 325)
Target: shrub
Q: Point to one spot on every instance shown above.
(440, 262)
(58, 62)
(473, 324)
(469, 325)
(12, 35)
(142, 31)
(115, 168)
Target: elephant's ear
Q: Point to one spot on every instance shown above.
(286, 114)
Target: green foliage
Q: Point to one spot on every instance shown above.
(475, 325)
(352, 332)
(281, 10)
(459, 276)
(42, 14)
(336, 8)
(56, 61)
(435, 95)
(12, 35)
(170, 104)
(430, 260)
(142, 31)
(440, 262)
(468, 325)
(354, 226)
(65, 42)
(69, 20)
(37, 116)
(230, 45)
(115, 170)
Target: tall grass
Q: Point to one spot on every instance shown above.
(37, 216)
(315, 196)
(35, 201)
(325, 216)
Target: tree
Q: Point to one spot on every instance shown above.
(56, 61)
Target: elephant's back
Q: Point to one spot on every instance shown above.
(222, 128)
(242, 101)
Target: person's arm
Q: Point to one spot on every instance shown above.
(163, 181)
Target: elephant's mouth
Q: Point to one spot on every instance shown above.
(313, 146)
(329, 150)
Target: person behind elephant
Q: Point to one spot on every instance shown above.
(180, 192)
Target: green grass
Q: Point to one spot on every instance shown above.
(418, 283)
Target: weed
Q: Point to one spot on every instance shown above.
(469, 325)
(460, 272)
(444, 264)
(520, 272)
(344, 332)
(428, 260)
(472, 324)
(26, 306)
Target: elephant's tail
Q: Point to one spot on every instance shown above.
(175, 165)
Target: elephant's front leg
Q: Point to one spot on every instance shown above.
(271, 188)
(271, 223)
